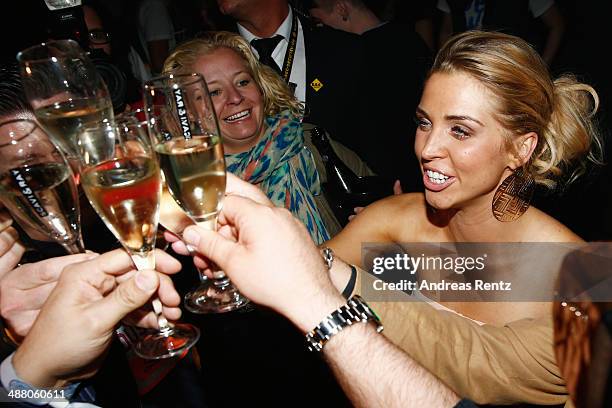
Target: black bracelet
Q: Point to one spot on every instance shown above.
(350, 286)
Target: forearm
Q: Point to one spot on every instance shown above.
(375, 373)
(372, 371)
(340, 274)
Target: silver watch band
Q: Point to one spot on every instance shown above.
(355, 310)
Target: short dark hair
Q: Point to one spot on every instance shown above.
(12, 95)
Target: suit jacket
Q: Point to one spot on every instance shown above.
(334, 59)
(398, 62)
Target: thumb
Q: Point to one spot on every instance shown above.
(127, 297)
(211, 244)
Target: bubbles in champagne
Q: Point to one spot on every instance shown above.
(62, 120)
(43, 200)
(125, 193)
(194, 170)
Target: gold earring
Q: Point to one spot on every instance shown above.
(513, 196)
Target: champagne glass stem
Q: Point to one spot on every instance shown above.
(214, 295)
(219, 278)
(192, 253)
(75, 247)
(147, 261)
(203, 277)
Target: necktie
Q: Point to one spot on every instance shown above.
(265, 47)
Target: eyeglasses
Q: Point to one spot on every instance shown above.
(99, 37)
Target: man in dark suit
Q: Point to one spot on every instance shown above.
(398, 61)
(323, 65)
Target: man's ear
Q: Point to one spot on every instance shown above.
(524, 146)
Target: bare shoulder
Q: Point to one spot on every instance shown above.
(388, 220)
(394, 217)
(400, 213)
(402, 203)
(541, 227)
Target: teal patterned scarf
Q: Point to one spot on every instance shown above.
(284, 170)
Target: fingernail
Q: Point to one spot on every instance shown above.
(145, 280)
(191, 236)
(191, 248)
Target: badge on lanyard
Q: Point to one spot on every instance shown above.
(290, 54)
(316, 84)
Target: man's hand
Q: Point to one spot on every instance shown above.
(239, 187)
(24, 291)
(271, 259)
(11, 250)
(234, 187)
(75, 326)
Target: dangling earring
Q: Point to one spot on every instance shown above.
(513, 196)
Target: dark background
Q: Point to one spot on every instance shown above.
(257, 357)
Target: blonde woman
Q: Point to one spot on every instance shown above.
(261, 124)
(490, 115)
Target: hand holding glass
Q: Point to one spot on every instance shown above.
(182, 122)
(121, 178)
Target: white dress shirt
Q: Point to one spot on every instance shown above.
(298, 69)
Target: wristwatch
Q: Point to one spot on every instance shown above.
(355, 310)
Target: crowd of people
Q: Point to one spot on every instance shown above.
(495, 122)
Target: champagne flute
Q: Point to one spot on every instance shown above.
(37, 185)
(173, 219)
(121, 178)
(171, 215)
(65, 91)
(183, 125)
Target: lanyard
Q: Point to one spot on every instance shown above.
(290, 54)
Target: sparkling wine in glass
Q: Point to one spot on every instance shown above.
(65, 91)
(37, 185)
(171, 216)
(121, 178)
(183, 126)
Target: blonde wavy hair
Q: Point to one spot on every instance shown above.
(526, 99)
(277, 96)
